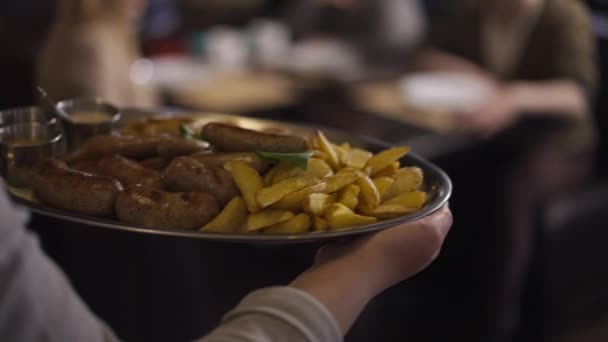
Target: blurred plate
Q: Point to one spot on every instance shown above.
(437, 183)
(448, 92)
(324, 59)
(194, 84)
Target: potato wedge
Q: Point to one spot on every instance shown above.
(407, 179)
(314, 142)
(413, 199)
(230, 219)
(267, 217)
(369, 195)
(386, 158)
(349, 196)
(269, 176)
(338, 216)
(249, 182)
(319, 224)
(318, 168)
(294, 200)
(355, 158)
(339, 151)
(320, 155)
(340, 180)
(383, 183)
(281, 172)
(297, 224)
(387, 211)
(389, 171)
(276, 192)
(328, 148)
(317, 204)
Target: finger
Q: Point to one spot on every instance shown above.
(443, 228)
(442, 220)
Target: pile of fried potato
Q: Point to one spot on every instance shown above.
(342, 187)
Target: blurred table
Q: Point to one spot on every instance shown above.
(372, 109)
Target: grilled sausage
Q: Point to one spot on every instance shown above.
(229, 138)
(128, 172)
(188, 174)
(177, 147)
(156, 163)
(87, 166)
(106, 145)
(219, 159)
(158, 209)
(56, 185)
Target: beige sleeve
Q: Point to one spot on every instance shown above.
(277, 314)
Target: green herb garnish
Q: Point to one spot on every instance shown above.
(298, 159)
(186, 132)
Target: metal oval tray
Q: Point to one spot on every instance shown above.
(437, 183)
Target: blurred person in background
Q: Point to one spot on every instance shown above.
(537, 59)
(90, 52)
(383, 32)
(536, 55)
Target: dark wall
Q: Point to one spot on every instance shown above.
(23, 27)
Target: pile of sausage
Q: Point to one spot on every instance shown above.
(160, 182)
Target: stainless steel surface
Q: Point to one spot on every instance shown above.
(49, 101)
(437, 183)
(16, 160)
(25, 114)
(77, 133)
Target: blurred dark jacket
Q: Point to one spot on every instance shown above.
(560, 46)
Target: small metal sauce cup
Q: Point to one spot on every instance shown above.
(22, 145)
(78, 132)
(26, 114)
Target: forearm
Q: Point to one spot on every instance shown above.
(344, 286)
(560, 97)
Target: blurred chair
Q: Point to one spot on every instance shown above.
(572, 277)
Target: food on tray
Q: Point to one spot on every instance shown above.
(156, 127)
(228, 138)
(59, 186)
(135, 147)
(107, 145)
(175, 147)
(155, 163)
(219, 159)
(127, 172)
(155, 208)
(232, 217)
(189, 174)
(234, 180)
